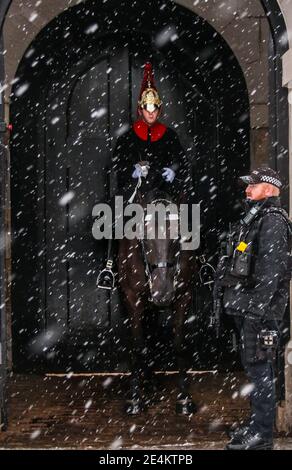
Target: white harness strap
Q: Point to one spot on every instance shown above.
(144, 172)
(135, 190)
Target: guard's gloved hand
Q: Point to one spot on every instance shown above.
(137, 172)
(168, 175)
(141, 169)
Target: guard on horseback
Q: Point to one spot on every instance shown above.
(149, 155)
(154, 273)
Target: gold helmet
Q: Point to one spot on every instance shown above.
(149, 98)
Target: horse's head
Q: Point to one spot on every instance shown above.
(161, 246)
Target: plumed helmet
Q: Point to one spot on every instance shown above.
(149, 98)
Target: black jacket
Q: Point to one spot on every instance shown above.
(166, 151)
(268, 296)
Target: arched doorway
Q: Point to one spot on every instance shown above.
(77, 91)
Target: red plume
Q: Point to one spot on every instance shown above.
(148, 78)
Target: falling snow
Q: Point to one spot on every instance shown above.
(73, 94)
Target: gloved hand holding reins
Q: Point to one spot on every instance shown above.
(141, 169)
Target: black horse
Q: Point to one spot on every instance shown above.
(160, 273)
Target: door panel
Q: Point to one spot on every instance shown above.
(87, 161)
(3, 313)
(3, 416)
(95, 113)
(55, 219)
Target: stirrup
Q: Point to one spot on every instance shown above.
(106, 278)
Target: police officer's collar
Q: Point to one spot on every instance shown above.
(274, 201)
(254, 208)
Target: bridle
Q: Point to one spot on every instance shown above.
(149, 268)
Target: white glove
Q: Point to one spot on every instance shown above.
(168, 175)
(140, 170)
(137, 172)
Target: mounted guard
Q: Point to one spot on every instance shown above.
(149, 155)
(151, 167)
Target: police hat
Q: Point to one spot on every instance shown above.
(263, 175)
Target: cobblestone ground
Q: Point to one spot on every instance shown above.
(87, 412)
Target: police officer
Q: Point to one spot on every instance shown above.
(256, 283)
(149, 155)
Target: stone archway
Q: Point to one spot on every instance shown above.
(285, 7)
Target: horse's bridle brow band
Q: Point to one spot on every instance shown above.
(162, 264)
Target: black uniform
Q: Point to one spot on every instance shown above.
(160, 146)
(258, 303)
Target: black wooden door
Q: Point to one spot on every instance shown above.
(3, 367)
(84, 118)
(4, 158)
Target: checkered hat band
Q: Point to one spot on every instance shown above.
(271, 180)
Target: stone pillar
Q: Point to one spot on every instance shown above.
(284, 418)
(288, 361)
